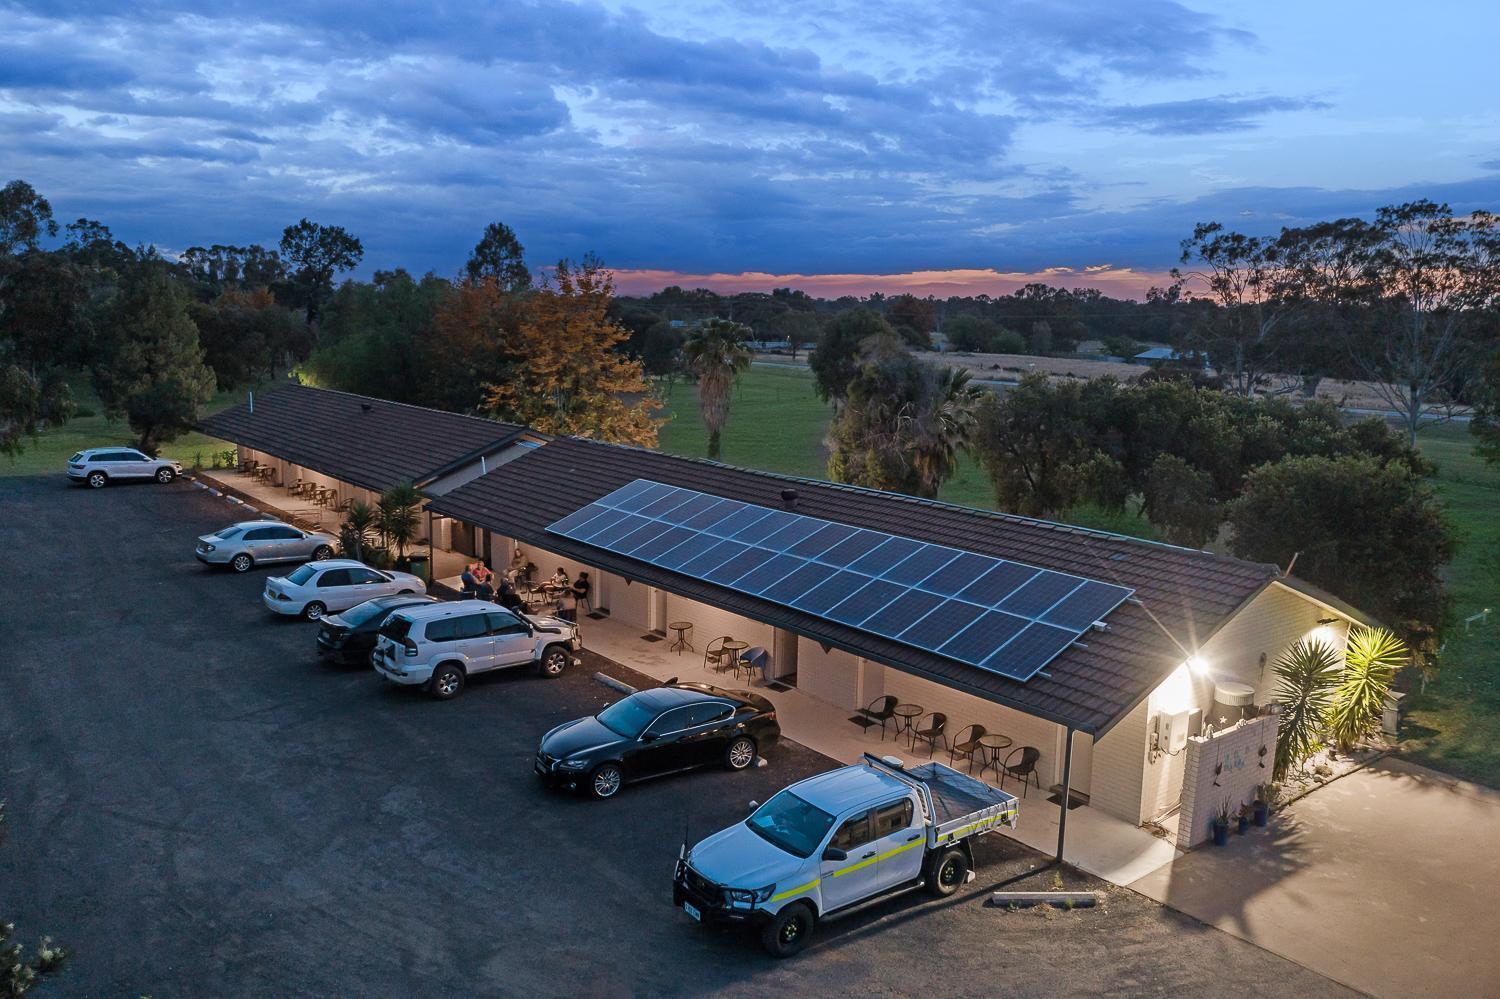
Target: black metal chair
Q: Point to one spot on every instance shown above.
(931, 732)
(1023, 770)
(881, 710)
(966, 745)
(716, 657)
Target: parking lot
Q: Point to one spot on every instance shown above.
(198, 806)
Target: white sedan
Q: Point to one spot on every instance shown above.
(315, 589)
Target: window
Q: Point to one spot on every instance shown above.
(627, 717)
(892, 818)
(673, 721)
(363, 575)
(442, 631)
(133, 456)
(853, 833)
(260, 534)
(708, 713)
(396, 628)
(228, 532)
(283, 533)
(470, 626)
(791, 824)
(502, 623)
(302, 575)
(334, 577)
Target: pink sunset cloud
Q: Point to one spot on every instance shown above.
(1116, 282)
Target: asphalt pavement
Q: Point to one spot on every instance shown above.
(198, 806)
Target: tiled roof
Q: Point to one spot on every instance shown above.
(1184, 595)
(367, 442)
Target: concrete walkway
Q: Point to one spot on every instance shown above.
(1385, 881)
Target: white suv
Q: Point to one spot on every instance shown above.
(99, 466)
(440, 645)
(333, 585)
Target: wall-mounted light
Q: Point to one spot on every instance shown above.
(1327, 620)
(1198, 665)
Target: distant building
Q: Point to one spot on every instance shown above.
(1159, 355)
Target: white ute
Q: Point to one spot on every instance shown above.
(836, 842)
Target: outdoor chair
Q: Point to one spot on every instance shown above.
(881, 710)
(931, 732)
(715, 656)
(753, 660)
(966, 745)
(1024, 769)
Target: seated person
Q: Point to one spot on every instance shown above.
(560, 577)
(510, 599)
(470, 582)
(567, 606)
(582, 587)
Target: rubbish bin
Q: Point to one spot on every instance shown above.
(420, 565)
(1390, 718)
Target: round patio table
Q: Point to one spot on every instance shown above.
(680, 642)
(906, 718)
(993, 744)
(732, 649)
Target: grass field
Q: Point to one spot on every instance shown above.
(49, 452)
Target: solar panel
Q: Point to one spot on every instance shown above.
(988, 612)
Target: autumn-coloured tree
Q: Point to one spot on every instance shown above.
(567, 376)
(471, 343)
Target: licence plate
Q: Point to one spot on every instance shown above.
(692, 910)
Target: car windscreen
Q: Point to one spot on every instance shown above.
(628, 717)
(359, 614)
(301, 575)
(791, 824)
(227, 533)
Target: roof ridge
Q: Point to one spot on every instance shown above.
(404, 405)
(1086, 532)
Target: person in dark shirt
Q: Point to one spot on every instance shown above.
(582, 588)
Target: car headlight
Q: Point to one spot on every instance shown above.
(573, 765)
(750, 896)
(208, 548)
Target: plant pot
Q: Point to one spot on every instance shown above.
(1262, 814)
(1243, 825)
(1221, 833)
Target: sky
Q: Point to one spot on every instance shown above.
(832, 145)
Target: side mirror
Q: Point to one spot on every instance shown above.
(833, 853)
(754, 804)
(648, 736)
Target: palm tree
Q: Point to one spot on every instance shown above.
(942, 422)
(359, 521)
(398, 517)
(716, 351)
(1305, 678)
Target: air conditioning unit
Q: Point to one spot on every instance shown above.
(1174, 727)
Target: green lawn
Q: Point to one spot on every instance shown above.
(49, 452)
(1455, 725)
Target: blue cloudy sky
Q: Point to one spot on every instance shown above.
(963, 144)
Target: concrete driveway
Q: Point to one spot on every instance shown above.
(1385, 881)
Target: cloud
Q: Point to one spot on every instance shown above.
(1203, 115)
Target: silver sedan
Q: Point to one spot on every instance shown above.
(253, 542)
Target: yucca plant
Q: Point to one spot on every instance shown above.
(1370, 664)
(359, 521)
(398, 516)
(1306, 675)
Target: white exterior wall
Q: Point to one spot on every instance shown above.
(831, 676)
(1242, 651)
(1118, 769)
(626, 603)
(710, 622)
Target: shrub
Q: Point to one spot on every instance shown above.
(1370, 664)
(1305, 678)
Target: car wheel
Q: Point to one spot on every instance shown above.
(447, 681)
(948, 873)
(606, 780)
(314, 611)
(165, 475)
(241, 562)
(554, 660)
(740, 754)
(98, 480)
(322, 553)
(788, 931)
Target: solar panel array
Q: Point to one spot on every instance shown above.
(995, 614)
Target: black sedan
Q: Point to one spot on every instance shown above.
(664, 730)
(349, 637)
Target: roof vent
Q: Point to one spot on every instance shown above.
(789, 498)
(366, 407)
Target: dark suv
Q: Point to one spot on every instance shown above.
(349, 638)
(664, 730)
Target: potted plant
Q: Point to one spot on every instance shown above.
(1265, 797)
(1221, 824)
(1242, 824)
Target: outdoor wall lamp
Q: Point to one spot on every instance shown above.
(1327, 620)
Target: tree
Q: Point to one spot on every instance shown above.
(359, 522)
(841, 346)
(44, 312)
(716, 351)
(1373, 534)
(797, 327)
(498, 255)
(569, 376)
(27, 402)
(316, 253)
(469, 342)
(1178, 500)
(152, 369)
(1305, 677)
(25, 217)
(377, 340)
(1255, 285)
(918, 314)
(1431, 278)
(18, 972)
(1040, 446)
(219, 266)
(397, 517)
(1370, 662)
(246, 335)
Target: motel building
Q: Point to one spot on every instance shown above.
(1126, 677)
